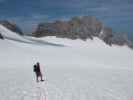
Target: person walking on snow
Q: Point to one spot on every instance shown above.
(38, 71)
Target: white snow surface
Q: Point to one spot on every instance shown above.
(72, 69)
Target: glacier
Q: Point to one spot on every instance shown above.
(73, 69)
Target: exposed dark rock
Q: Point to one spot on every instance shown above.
(120, 39)
(130, 44)
(106, 35)
(12, 26)
(1, 37)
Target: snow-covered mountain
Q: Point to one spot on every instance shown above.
(82, 27)
(11, 26)
(10, 35)
(73, 69)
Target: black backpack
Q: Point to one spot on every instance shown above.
(34, 68)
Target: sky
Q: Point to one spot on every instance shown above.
(117, 14)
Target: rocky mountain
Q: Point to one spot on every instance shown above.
(12, 26)
(78, 27)
(82, 27)
(122, 39)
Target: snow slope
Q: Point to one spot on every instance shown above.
(7, 34)
(73, 69)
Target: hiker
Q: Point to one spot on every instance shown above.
(38, 71)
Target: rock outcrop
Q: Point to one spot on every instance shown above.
(106, 35)
(78, 27)
(83, 28)
(12, 26)
(1, 37)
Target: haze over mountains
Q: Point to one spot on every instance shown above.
(28, 13)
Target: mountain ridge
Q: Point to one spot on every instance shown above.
(82, 27)
(11, 26)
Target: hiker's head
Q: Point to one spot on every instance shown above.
(37, 63)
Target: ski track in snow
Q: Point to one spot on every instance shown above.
(68, 85)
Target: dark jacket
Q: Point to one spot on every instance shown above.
(37, 68)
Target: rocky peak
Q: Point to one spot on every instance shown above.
(11, 26)
(78, 27)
